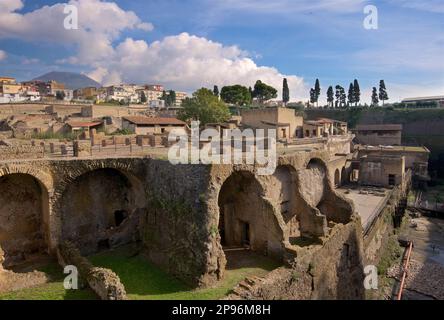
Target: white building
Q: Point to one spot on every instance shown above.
(127, 93)
(180, 96)
(156, 104)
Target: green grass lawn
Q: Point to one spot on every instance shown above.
(143, 281)
(53, 290)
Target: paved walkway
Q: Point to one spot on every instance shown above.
(368, 201)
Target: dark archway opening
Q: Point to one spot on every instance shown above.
(96, 205)
(119, 217)
(24, 214)
(247, 226)
(343, 176)
(337, 178)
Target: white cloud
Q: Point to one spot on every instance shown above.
(11, 5)
(186, 62)
(100, 23)
(3, 55)
(182, 62)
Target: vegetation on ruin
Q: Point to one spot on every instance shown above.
(391, 255)
(121, 132)
(53, 290)
(142, 280)
(54, 136)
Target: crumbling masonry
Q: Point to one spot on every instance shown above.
(183, 215)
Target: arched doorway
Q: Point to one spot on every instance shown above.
(337, 178)
(24, 214)
(343, 176)
(95, 205)
(246, 220)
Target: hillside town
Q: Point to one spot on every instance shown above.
(12, 91)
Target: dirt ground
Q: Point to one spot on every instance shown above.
(24, 276)
(425, 278)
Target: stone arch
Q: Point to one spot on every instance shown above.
(24, 217)
(246, 218)
(337, 178)
(312, 180)
(343, 176)
(44, 177)
(284, 189)
(96, 206)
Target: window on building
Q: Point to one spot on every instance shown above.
(392, 179)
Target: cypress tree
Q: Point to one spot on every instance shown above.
(357, 92)
(375, 100)
(382, 92)
(330, 96)
(285, 92)
(317, 91)
(216, 91)
(351, 94)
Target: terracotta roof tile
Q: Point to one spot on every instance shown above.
(140, 120)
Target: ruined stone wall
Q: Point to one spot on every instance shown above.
(22, 210)
(21, 152)
(376, 170)
(104, 282)
(331, 270)
(174, 209)
(178, 234)
(378, 235)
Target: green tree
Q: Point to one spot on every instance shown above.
(237, 94)
(375, 100)
(340, 96)
(251, 94)
(164, 97)
(357, 92)
(351, 94)
(263, 92)
(317, 90)
(172, 97)
(143, 98)
(382, 92)
(330, 96)
(60, 95)
(169, 98)
(216, 91)
(205, 107)
(285, 92)
(312, 96)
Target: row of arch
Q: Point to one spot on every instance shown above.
(340, 177)
(283, 209)
(90, 206)
(262, 213)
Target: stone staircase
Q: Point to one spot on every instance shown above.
(245, 289)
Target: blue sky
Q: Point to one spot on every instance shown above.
(192, 43)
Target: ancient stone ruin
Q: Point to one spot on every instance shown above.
(185, 216)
